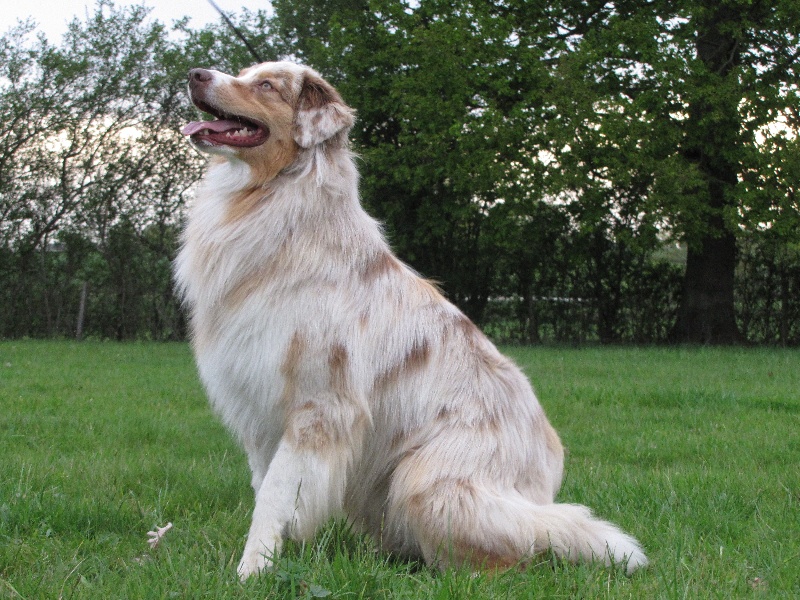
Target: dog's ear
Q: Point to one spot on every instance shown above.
(321, 113)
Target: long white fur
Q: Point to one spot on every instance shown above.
(354, 387)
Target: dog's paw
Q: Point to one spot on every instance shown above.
(253, 563)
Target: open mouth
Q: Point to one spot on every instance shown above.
(226, 130)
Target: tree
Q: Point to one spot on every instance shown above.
(698, 84)
(92, 140)
(714, 143)
(535, 158)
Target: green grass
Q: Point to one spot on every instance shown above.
(695, 452)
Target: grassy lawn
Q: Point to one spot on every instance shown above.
(695, 452)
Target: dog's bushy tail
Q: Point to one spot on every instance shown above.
(573, 533)
(501, 530)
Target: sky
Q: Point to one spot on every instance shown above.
(53, 15)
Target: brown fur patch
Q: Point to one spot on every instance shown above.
(266, 162)
(245, 287)
(484, 354)
(318, 425)
(304, 426)
(315, 435)
(418, 356)
(494, 423)
(490, 421)
(483, 558)
(290, 369)
(316, 93)
(276, 156)
(398, 438)
(291, 360)
(415, 359)
(337, 362)
(379, 266)
(244, 202)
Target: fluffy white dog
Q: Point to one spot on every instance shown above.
(353, 385)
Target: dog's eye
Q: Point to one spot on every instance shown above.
(266, 85)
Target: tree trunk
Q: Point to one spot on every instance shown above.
(706, 312)
(81, 311)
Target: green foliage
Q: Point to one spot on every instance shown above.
(513, 151)
(91, 161)
(769, 277)
(693, 451)
(628, 115)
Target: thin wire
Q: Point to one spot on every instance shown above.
(236, 31)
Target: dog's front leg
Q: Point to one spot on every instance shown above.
(305, 482)
(292, 475)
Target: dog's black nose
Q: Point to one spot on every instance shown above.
(199, 76)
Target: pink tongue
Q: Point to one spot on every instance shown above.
(214, 126)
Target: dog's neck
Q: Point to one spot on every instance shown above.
(307, 219)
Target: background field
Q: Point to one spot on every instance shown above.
(695, 452)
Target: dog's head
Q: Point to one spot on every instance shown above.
(268, 109)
